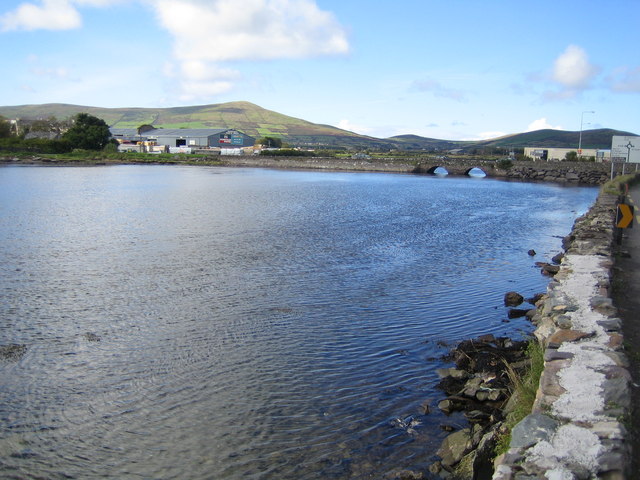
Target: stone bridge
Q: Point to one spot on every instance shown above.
(590, 173)
(586, 173)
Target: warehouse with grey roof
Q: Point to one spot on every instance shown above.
(197, 138)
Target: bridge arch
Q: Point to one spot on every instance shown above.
(438, 170)
(475, 172)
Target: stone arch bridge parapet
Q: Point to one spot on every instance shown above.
(590, 173)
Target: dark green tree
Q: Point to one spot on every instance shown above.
(571, 156)
(5, 128)
(270, 142)
(88, 132)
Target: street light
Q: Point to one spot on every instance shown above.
(580, 139)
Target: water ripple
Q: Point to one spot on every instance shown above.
(248, 323)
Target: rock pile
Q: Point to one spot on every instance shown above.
(479, 385)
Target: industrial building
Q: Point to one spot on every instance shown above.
(547, 154)
(182, 138)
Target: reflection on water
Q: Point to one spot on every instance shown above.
(209, 323)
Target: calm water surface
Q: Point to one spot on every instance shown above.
(212, 323)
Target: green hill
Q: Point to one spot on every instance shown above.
(259, 122)
(598, 138)
(244, 116)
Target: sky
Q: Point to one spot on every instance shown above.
(447, 69)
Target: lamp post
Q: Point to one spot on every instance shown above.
(580, 138)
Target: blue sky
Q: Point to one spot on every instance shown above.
(450, 69)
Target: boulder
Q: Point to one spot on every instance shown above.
(548, 269)
(512, 299)
(455, 447)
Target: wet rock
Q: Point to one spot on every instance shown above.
(452, 404)
(548, 269)
(488, 338)
(455, 446)
(476, 416)
(12, 351)
(404, 475)
(536, 298)
(516, 313)
(531, 253)
(483, 465)
(557, 259)
(482, 397)
(512, 299)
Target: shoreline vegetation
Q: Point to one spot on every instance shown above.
(494, 380)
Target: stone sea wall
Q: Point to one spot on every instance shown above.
(588, 173)
(576, 430)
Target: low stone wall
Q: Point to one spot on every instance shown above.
(576, 429)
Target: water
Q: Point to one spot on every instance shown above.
(212, 323)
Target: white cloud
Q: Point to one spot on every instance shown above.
(49, 15)
(200, 79)
(541, 124)
(573, 70)
(207, 33)
(489, 135)
(345, 124)
(224, 30)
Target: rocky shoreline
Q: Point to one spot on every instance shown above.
(480, 385)
(576, 427)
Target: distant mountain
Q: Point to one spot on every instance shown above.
(599, 138)
(260, 122)
(415, 142)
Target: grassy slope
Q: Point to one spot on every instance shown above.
(244, 116)
(259, 122)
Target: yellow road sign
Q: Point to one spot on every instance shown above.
(624, 218)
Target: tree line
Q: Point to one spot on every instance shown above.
(83, 131)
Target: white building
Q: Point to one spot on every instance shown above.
(553, 154)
